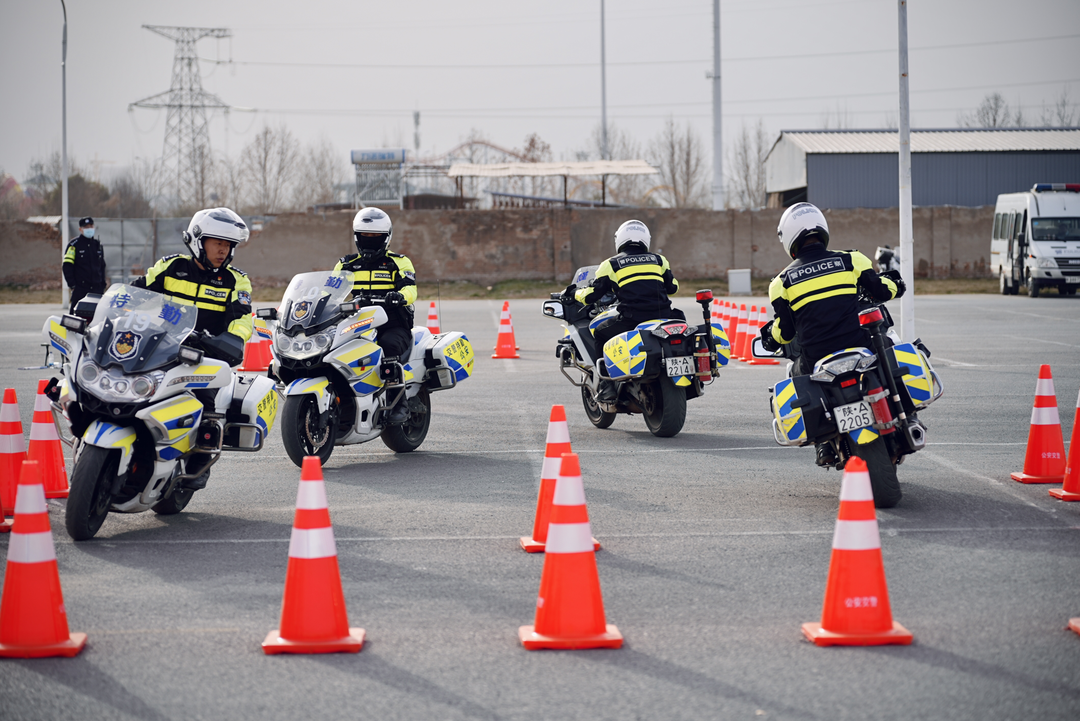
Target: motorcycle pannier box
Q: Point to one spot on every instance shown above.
(449, 360)
(799, 408)
(255, 400)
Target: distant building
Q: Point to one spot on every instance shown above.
(966, 167)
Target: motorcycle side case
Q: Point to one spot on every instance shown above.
(255, 400)
(799, 406)
(625, 356)
(922, 383)
(449, 359)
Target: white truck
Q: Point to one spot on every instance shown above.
(1036, 239)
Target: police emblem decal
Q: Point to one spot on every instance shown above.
(125, 345)
(300, 310)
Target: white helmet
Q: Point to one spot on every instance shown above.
(798, 222)
(372, 220)
(220, 223)
(632, 231)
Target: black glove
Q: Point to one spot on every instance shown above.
(767, 341)
(394, 298)
(568, 293)
(894, 276)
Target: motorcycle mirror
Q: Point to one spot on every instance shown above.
(757, 349)
(553, 309)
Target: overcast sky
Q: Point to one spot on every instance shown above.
(354, 71)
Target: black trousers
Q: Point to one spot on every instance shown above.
(395, 340)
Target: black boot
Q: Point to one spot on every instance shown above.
(607, 392)
(194, 465)
(826, 455)
(400, 414)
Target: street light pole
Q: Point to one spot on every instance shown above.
(717, 120)
(907, 242)
(604, 153)
(64, 160)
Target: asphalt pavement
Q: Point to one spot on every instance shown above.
(716, 547)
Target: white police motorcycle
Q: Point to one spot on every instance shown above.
(132, 365)
(338, 391)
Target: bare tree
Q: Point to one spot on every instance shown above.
(1062, 114)
(268, 163)
(684, 174)
(993, 112)
(148, 178)
(746, 168)
(320, 169)
(621, 189)
(230, 183)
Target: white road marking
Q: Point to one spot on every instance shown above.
(1003, 485)
(947, 361)
(1052, 342)
(1038, 315)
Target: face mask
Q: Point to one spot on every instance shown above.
(88, 232)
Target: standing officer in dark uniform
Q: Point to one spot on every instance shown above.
(84, 263)
(379, 273)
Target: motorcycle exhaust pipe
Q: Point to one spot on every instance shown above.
(915, 433)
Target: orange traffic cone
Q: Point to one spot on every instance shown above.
(433, 319)
(257, 353)
(558, 443)
(856, 611)
(45, 447)
(506, 346)
(1070, 489)
(755, 331)
(739, 320)
(33, 622)
(1044, 461)
(714, 315)
(725, 315)
(570, 607)
(313, 616)
(12, 453)
(748, 334)
(1074, 624)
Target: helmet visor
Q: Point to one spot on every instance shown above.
(370, 242)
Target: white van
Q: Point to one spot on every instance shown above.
(1036, 239)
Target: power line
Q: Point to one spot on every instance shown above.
(628, 63)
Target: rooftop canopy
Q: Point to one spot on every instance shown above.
(575, 169)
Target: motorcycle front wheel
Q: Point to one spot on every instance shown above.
(598, 417)
(89, 497)
(883, 480)
(409, 435)
(664, 406)
(300, 429)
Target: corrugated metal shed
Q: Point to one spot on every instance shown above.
(970, 167)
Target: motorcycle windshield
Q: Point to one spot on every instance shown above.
(138, 329)
(313, 299)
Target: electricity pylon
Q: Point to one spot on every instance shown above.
(186, 159)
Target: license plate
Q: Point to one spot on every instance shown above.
(1073, 279)
(853, 416)
(679, 366)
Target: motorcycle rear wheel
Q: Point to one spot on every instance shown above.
(598, 417)
(299, 429)
(408, 436)
(664, 406)
(883, 480)
(89, 497)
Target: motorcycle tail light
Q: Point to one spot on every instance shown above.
(675, 328)
(871, 316)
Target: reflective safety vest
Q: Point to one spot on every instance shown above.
(379, 275)
(223, 297)
(641, 281)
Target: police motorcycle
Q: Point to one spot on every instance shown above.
(657, 366)
(861, 402)
(338, 391)
(132, 364)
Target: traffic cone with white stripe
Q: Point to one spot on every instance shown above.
(740, 332)
(506, 345)
(45, 446)
(755, 330)
(570, 607)
(12, 454)
(725, 315)
(1044, 461)
(257, 353)
(33, 622)
(747, 334)
(856, 611)
(558, 443)
(433, 319)
(313, 615)
(1070, 489)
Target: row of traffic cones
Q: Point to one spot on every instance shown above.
(44, 448)
(1045, 460)
(742, 326)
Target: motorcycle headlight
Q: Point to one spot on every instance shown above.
(143, 386)
(284, 342)
(303, 346)
(88, 372)
(323, 340)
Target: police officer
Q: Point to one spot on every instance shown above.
(641, 281)
(379, 273)
(816, 297)
(222, 293)
(84, 263)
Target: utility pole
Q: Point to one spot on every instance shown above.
(907, 242)
(186, 158)
(717, 122)
(64, 161)
(605, 154)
